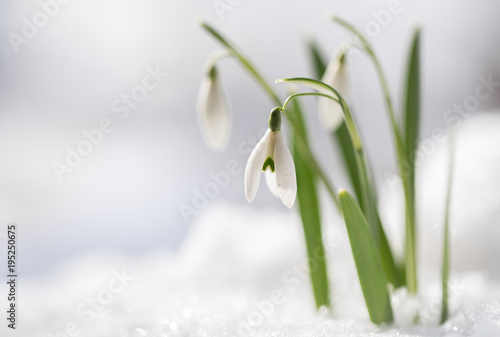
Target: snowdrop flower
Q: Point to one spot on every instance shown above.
(272, 156)
(330, 112)
(213, 111)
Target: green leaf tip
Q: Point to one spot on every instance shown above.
(410, 132)
(198, 20)
(329, 16)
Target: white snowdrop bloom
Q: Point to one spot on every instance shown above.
(213, 111)
(330, 112)
(272, 156)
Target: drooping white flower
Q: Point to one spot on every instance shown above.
(214, 116)
(330, 112)
(272, 156)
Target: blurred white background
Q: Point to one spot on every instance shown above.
(125, 196)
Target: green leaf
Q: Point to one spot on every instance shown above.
(367, 259)
(317, 60)
(411, 123)
(412, 97)
(349, 158)
(446, 238)
(308, 201)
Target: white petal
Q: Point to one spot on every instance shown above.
(213, 113)
(271, 182)
(340, 81)
(285, 171)
(330, 112)
(331, 71)
(254, 167)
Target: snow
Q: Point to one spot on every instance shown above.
(475, 206)
(243, 271)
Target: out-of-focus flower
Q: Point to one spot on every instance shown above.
(214, 116)
(272, 156)
(330, 112)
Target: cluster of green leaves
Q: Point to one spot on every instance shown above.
(375, 263)
(374, 260)
(406, 143)
(369, 244)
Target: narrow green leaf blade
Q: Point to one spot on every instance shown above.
(367, 259)
(446, 238)
(317, 60)
(411, 123)
(308, 201)
(349, 157)
(394, 274)
(412, 96)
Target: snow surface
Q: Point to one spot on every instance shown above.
(242, 271)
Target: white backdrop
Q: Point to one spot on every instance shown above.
(125, 195)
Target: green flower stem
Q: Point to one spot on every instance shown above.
(289, 98)
(410, 249)
(341, 134)
(320, 86)
(378, 67)
(356, 140)
(243, 60)
(303, 148)
(214, 58)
